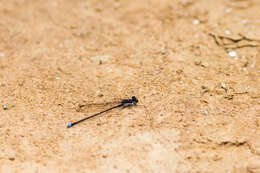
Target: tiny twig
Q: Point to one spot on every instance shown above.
(233, 45)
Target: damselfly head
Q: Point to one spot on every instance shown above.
(134, 99)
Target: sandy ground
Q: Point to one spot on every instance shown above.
(193, 65)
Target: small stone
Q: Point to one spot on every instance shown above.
(12, 158)
(196, 22)
(2, 54)
(5, 107)
(181, 59)
(228, 10)
(252, 65)
(217, 157)
(245, 69)
(232, 54)
(205, 112)
(223, 86)
(227, 32)
(204, 64)
(197, 62)
(117, 5)
(100, 59)
(99, 94)
(163, 51)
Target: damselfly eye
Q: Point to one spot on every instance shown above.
(134, 99)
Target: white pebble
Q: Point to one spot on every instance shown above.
(228, 10)
(245, 69)
(227, 32)
(181, 59)
(99, 94)
(2, 54)
(163, 51)
(187, 131)
(5, 107)
(100, 59)
(252, 65)
(223, 86)
(205, 112)
(197, 62)
(204, 64)
(232, 54)
(117, 4)
(196, 22)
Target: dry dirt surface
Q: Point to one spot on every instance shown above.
(193, 65)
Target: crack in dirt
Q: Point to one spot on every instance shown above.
(245, 143)
(232, 42)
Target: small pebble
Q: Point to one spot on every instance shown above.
(245, 69)
(205, 112)
(117, 5)
(163, 51)
(228, 10)
(2, 54)
(5, 107)
(232, 54)
(204, 64)
(197, 62)
(99, 94)
(227, 32)
(12, 158)
(223, 86)
(196, 22)
(252, 65)
(100, 59)
(181, 59)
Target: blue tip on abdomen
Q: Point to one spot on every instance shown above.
(69, 125)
